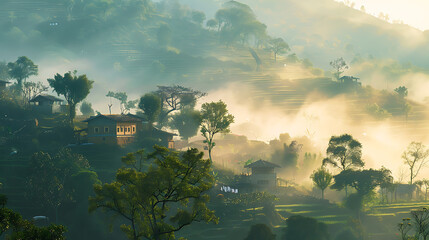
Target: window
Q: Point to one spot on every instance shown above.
(122, 129)
(134, 129)
(129, 130)
(96, 129)
(119, 129)
(125, 129)
(106, 129)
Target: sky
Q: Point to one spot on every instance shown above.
(411, 12)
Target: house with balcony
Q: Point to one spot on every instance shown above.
(122, 129)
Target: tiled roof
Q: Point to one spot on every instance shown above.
(118, 117)
(45, 97)
(262, 164)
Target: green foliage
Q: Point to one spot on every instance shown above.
(344, 152)
(198, 17)
(288, 156)
(215, 119)
(377, 112)
(305, 228)
(420, 219)
(162, 200)
(415, 157)
(322, 179)
(251, 200)
(56, 180)
(278, 46)
(86, 109)
(339, 66)
(175, 98)
(404, 227)
(150, 103)
(22, 69)
(260, 232)
(73, 88)
(187, 121)
(237, 23)
(4, 71)
(122, 97)
(346, 235)
(402, 91)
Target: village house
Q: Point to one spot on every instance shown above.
(47, 104)
(263, 175)
(122, 129)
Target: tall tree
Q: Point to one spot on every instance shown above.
(416, 157)
(187, 122)
(344, 152)
(339, 66)
(162, 200)
(402, 91)
(215, 119)
(125, 106)
(74, 89)
(86, 109)
(22, 69)
(322, 178)
(174, 98)
(151, 105)
(278, 46)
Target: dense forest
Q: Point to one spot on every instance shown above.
(141, 119)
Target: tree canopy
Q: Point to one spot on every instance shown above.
(322, 179)
(344, 152)
(161, 200)
(22, 69)
(74, 89)
(150, 103)
(415, 157)
(215, 119)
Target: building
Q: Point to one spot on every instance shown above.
(3, 84)
(122, 129)
(47, 104)
(263, 175)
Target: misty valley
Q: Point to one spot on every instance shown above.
(208, 119)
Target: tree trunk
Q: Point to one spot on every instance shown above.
(210, 154)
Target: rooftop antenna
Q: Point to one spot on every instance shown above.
(110, 106)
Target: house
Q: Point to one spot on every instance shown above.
(47, 104)
(263, 175)
(122, 129)
(3, 84)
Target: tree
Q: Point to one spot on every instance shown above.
(187, 121)
(260, 232)
(198, 17)
(86, 109)
(402, 91)
(174, 98)
(162, 200)
(278, 46)
(305, 228)
(50, 181)
(212, 23)
(22, 69)
(4, 71)
(420, 219)
(32, 89)
(125, 105)
(344, 152)
(416, 157)
(364, 181)
(23, 229)
(287, 156)
(151, 105)
(322, 179)
(215, 119)
(73, 88)
(339, 66)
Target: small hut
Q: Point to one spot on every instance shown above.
(46, 104)
(3, 84)
(263, 175)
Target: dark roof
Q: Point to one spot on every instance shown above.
(262, 164)
(2, 81)
(161, 132)
(117, 118)
(45, 97)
